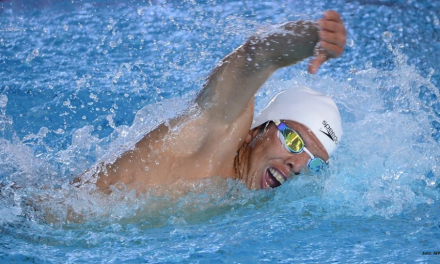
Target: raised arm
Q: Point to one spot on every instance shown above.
(237, 78)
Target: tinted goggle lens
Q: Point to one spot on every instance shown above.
(293, 141)
(316, 164)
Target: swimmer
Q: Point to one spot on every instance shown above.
(219, 136)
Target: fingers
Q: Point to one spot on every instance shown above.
(332, 34)
(332, 15)
(333, 50)
(316, 62)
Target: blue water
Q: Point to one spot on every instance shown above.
(80, 81)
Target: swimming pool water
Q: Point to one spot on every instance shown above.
(80, 81)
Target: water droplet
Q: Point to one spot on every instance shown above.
(130, 37)
(66, 27)
(59, 131)
(436, 21)
(112, 44)
(390, 47)
(387, 36)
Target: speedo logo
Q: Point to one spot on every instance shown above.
(330, 133)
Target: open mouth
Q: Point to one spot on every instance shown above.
(272, 178)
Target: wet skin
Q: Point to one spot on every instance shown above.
(218, 142)
(268, 157)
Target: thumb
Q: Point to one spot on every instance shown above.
(316, 62)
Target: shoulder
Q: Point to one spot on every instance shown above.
(203, 134)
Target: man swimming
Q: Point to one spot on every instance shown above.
(297, 131)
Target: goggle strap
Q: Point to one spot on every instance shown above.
(277, 122)
(308, 152)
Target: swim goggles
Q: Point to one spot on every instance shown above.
(293, 142)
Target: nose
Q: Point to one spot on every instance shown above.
(296, 162)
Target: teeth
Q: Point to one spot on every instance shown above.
(277, 175)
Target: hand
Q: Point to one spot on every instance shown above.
(332, 37)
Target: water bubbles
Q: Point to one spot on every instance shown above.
(3, 100)
(430, 182)
(59, 131)
(436, 21)
(113, 44)
(32, 55)
(390, 47)
(94, 97)
(387, 36)
(66, 27)
(428, 19)
(66, 103)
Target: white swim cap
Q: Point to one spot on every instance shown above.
(316, 111)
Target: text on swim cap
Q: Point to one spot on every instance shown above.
(330, 133)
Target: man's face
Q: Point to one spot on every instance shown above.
(270, 163)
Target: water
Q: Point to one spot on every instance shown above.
(80, 81)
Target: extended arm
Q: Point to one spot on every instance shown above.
(240, 74)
